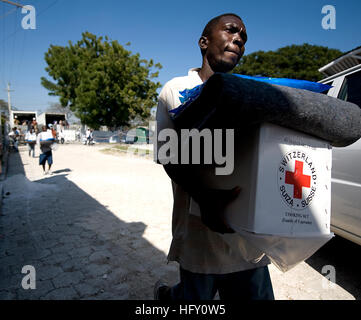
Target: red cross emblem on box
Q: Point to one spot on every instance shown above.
(298, 180)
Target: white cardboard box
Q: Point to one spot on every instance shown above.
(285, 180)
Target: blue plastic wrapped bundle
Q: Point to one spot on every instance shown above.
(292, 83)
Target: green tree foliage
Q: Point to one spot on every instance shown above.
(101, 82)
(296, 62)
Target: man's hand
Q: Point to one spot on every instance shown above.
(212, 203)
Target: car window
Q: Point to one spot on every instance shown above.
(351, 89)
(326, 92)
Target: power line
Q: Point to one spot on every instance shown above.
(37, 15)
(13, 3)
(12, 52)
(9, 67)
(5, 38)
(7, 13)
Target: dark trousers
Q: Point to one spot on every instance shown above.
(31, 147)
(254, 284)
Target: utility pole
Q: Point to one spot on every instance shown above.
(13, 3)
(9, 100)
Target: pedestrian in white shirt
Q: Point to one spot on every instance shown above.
(30, 139)
(14, 136)
(45, 140)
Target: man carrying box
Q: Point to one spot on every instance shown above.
(45, 139)
(208, 263)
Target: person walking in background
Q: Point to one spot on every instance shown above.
(16, 121)
(30, 139)
(58, 126)
(53, 131)
(89, 136)
(78, 135)
(14, 136)
(45, 140)
(34, 125)
(61, 136)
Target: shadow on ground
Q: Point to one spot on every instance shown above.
(15, 165)
(80, 249)
(343, 256)
(62, 171)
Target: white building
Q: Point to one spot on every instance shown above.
(22, 116)
(49, 117)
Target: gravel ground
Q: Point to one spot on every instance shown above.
(100, 228)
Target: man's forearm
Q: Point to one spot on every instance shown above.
(186, 177)
(211, 201)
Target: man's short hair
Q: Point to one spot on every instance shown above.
(212, 23)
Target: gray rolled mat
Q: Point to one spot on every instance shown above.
(228, 101)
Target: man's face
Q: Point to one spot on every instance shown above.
(225, 45)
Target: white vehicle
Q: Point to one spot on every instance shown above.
(345, 77)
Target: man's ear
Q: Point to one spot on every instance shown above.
(203, 43)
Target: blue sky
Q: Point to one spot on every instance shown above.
(166, 31)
